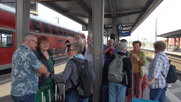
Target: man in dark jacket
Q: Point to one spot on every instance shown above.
(117, 91)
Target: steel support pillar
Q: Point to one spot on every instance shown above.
(174, 42)
(114, 30)
(98, 31)
(179, 42)
(90, 25)
(167, 43)
(107, 36)
(22, 20)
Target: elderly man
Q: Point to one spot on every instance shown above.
(88, 52)
(109, 52)
(159, 66)
(25, 69)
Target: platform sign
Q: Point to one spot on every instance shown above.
(85, 27)
(124, 33)
(119, 27)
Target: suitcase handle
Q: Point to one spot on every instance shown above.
(49, 94)
(46, 87)
(57, 96)
(59, 82)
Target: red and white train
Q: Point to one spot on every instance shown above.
(56, 34)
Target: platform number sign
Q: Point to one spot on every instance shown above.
(119, 27)
(84, 27)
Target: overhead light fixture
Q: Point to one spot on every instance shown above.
(32, 2)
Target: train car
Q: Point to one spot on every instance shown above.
(56, 33)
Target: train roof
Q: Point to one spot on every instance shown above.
(12, 10)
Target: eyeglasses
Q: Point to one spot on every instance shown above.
(34, 41)
(45, 43)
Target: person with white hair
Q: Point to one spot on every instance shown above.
(26, 68)
(109, 52)
(71, 73)
(78, 38)
(117, 91)
(88, 52)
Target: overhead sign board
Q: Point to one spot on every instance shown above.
(124, 33)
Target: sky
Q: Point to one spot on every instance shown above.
(168, 19)
(167, 15)
(51, 15)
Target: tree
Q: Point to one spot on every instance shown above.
(144, 42)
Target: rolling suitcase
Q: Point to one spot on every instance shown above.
(141, 100)
(60, 97)
(49, 94)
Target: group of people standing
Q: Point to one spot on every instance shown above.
(133, 64)
(33, 68)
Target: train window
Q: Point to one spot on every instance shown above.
(70, 33)
(54, 52)
(60, 51)
(60, 31)
(65, 32)
(73, 34)
(6, 39)
(36, 26)
(54, 31)
(46, 28)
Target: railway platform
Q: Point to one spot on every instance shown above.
(173, 93)
(5, 85)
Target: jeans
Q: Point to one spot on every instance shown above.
(73, 97)
(158, 94)
(25, 98)
(117, 92)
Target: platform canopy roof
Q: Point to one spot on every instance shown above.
(173, 34)
(129, 13)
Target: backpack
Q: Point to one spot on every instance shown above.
(172, 74)
(84, 88)
(115, 73)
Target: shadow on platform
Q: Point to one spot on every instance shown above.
(6, 99)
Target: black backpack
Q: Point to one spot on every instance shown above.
(172, 74)
(84, 88)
